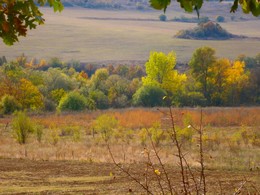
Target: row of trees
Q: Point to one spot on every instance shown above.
(209, 81)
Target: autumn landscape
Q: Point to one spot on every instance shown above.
(115, 97)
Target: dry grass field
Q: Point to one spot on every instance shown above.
(104, 36)
(71, 159)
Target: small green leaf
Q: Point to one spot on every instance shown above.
(160, 4)
(234, 6)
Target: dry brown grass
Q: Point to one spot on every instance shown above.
(223, 136)
(231, 141)
(142, 117)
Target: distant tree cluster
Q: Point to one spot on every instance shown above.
(55, 85)
(206, 31)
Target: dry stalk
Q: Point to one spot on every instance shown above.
(180, 156)
(145, 187)
(202, 183)
(158, 177)
(168, 181)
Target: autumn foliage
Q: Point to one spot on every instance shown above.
(209, 81)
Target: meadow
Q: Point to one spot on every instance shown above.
(73, 154)
(83, 153)
(104, 36)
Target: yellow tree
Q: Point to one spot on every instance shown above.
(227, 81)
(218, 80)
(30, 96)
(160, 72)
(237, 79)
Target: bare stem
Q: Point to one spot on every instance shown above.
(127, 172)
(202, 172)
(175, 139)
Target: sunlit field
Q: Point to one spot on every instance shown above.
(231, 140)
(122, 36)
(61, 127)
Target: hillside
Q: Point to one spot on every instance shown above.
(109, 4)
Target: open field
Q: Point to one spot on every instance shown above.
(21, 176)
(73, 158)
(103, 36)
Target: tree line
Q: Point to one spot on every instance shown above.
(55, 85)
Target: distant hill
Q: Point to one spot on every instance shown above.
(108, 4)
(207, 31)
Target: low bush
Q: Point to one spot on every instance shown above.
(163, 17)
(22, 127)
(220, 19)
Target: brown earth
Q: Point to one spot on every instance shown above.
(22, 176)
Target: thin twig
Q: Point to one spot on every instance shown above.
(175, 139)
(157, 175)
(127, 172)
(202, 176)
(192, 175)
(238, 191)
(162, 165)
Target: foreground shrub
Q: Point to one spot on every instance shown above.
(9, 104)
(72, 101)
(105, 125)
(22, 127)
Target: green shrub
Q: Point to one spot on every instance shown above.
(54, 135)
(149, 96)
(22, 127)
(9, 104)
(71, 131)
(100, 99)
(49, 105)
(163, 17)
(55, 63)
(193, 99)
(72, 101)
(39, 132)
(105, 125)
(206, 31)
(220, 19)
(157, 134)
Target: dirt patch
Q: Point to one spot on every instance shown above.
(21, 176)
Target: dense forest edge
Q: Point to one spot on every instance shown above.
(38, 85)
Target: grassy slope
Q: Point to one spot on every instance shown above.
(70, 35)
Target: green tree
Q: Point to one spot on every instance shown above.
(202, 60)
(9, 104)
(100, 99)
(160, 73)
(149, 96)
(73, 101)
(97, 80)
